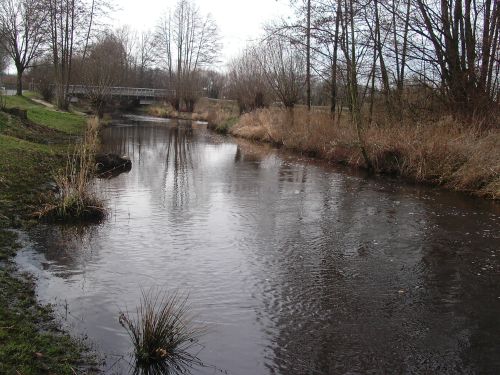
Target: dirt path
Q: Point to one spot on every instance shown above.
(44, 103)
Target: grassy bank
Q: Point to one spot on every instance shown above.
(30, 152)
(219, 114)
(441, 152)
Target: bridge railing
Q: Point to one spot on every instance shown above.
(131, 92)
(126, 92)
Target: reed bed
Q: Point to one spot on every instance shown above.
(441, 152)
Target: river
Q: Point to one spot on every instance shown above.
(294, 265)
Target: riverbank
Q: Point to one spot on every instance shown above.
(441, 153)
(438, 152)
(30, 152)
(219, 114)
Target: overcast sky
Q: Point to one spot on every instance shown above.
(238, 20)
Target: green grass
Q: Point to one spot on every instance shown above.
(19, 101)
(30, 153)
(70, 123)
(32, 94)
(224, 127)
(25, 166)
(66, 122)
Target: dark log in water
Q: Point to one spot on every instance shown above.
(112, 164)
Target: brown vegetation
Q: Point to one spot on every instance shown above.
(75, 199)
(219, 114)
(443, 153)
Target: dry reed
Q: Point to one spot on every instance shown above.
(439, 152)
(75, 199)
(219, 114)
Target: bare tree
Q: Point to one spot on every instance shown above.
(69, 27)
(146, 53)
(104, 68)
(42, 76)
(215, 83)
(283, 65)
(189, 42)
(464, 36)
(4, 59)
(247, 82)
(164, 43)
(308, 55)
(22, 33)
(352, 56)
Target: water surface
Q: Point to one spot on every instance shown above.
(295, 266)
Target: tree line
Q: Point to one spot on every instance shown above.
(63, 42)
(402, 56)
(355, 54)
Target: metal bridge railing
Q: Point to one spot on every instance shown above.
(131, 92)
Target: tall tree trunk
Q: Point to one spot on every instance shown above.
(356, 111)
(383, 69)
(404, 52)
(308, 55)
(334, 62)
(372, 89)
(19, 85)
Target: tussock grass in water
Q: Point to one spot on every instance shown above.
(162, 331)
(75, 200)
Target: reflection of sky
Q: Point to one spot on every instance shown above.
(293, 265)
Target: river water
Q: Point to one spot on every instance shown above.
(295, 266)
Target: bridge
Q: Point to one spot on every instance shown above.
(143, 94)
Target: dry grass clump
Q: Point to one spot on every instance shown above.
(204, 105)
(439, 152)
(161, 331)
(164, 110)
(218, 113)
(443, 153)
(75, 200)
(314, 133)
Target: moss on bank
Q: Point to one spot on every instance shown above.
(30, 151)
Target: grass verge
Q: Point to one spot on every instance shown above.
(69, 123)
(30, 151)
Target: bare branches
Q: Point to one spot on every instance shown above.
(22, 33)
(189, 42)
(247, 81)
(284, 65)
